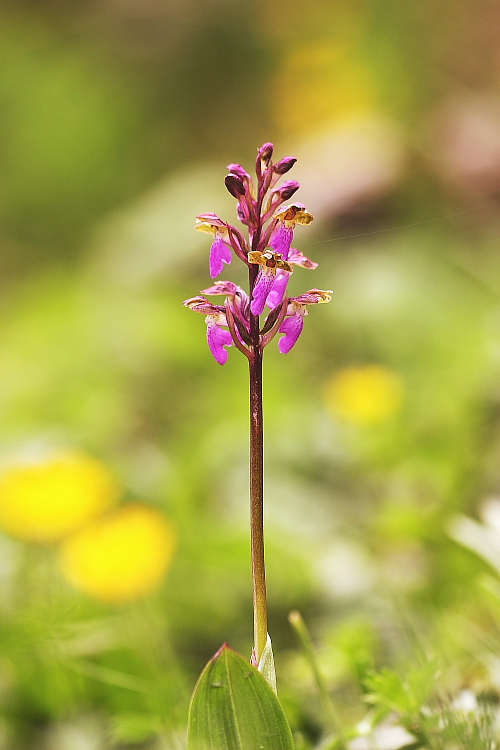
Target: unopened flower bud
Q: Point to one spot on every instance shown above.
(238, 170)
(288, 189)
(284, 165)
(265, 152)
(235, 185)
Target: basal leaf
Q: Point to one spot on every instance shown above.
(234, 708)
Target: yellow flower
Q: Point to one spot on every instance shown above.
(334, 84)
(120, 557)
(46, 500)
(364, 395)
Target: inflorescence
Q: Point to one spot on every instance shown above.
(269, 255)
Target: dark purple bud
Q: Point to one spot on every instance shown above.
(285, 164)
(235, 185)
(288, 189)
(265, 152)
(238, 170)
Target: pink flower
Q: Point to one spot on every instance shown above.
(288, 217)
(217, 336)
(220, 251)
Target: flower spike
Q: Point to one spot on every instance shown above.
(269, 255)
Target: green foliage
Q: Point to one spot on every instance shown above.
(404, 695)
(234, 708)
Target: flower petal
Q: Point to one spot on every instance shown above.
(202, 305)
(292, 328)
(262, 288)
(225, 287)
(217, 339)
(275, 296)
(313, 297)
(220, 253)
(299, 259)
(210, 220)
(239, 170)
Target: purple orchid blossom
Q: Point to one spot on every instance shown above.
(268, 253)
(226, 238)
(287, 219)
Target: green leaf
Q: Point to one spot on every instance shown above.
(234, 708)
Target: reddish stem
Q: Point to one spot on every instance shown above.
(257, 464)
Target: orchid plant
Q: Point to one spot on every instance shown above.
(265, 245)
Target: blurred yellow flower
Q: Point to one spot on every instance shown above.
(322, 82)
(121, 556)
(46, 500)
(364, 395)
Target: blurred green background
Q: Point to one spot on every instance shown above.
(117, 118)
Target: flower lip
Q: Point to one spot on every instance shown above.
(263, 286)
(218, 338)
(220, 253)
(292, 328)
